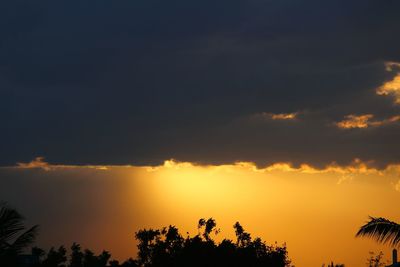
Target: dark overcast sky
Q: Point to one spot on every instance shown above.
(138, 82)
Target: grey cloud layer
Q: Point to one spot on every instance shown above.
(119, 82)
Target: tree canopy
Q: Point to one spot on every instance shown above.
(164, 247)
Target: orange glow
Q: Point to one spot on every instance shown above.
(284, 116)
(282, 203)
(364, 121)
(354, 121)
(280, 116)
(36, 163)
(391, 87)
(316, 211)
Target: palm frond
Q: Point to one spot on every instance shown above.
(25, 239)
(11, 222)
(382, 230)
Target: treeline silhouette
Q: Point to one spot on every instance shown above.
(334, 265)
(164, 247)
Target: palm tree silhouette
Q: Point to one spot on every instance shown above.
(14, 237)
(382, 230)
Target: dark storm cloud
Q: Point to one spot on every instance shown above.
(117, 82)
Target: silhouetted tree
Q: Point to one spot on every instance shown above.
(58, 258)
(38, 252)
(102, 259)
(334, 265)
(14, 237)
(76, 257)
(167, 248)
(91, 260)
(209, 227)
(147, 245)
(375, 260)
(382, 230)
(113, 263)
(157, 248)
(242, 238)
(55, 258)
(130, 263)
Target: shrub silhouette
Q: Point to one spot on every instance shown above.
(333, 265)
(166, 247)
(58, 258)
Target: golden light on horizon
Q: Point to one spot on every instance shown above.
(315, 211)
(278, 203)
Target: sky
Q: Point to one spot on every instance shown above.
(296, 102)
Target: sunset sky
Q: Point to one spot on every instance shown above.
(282, 115)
